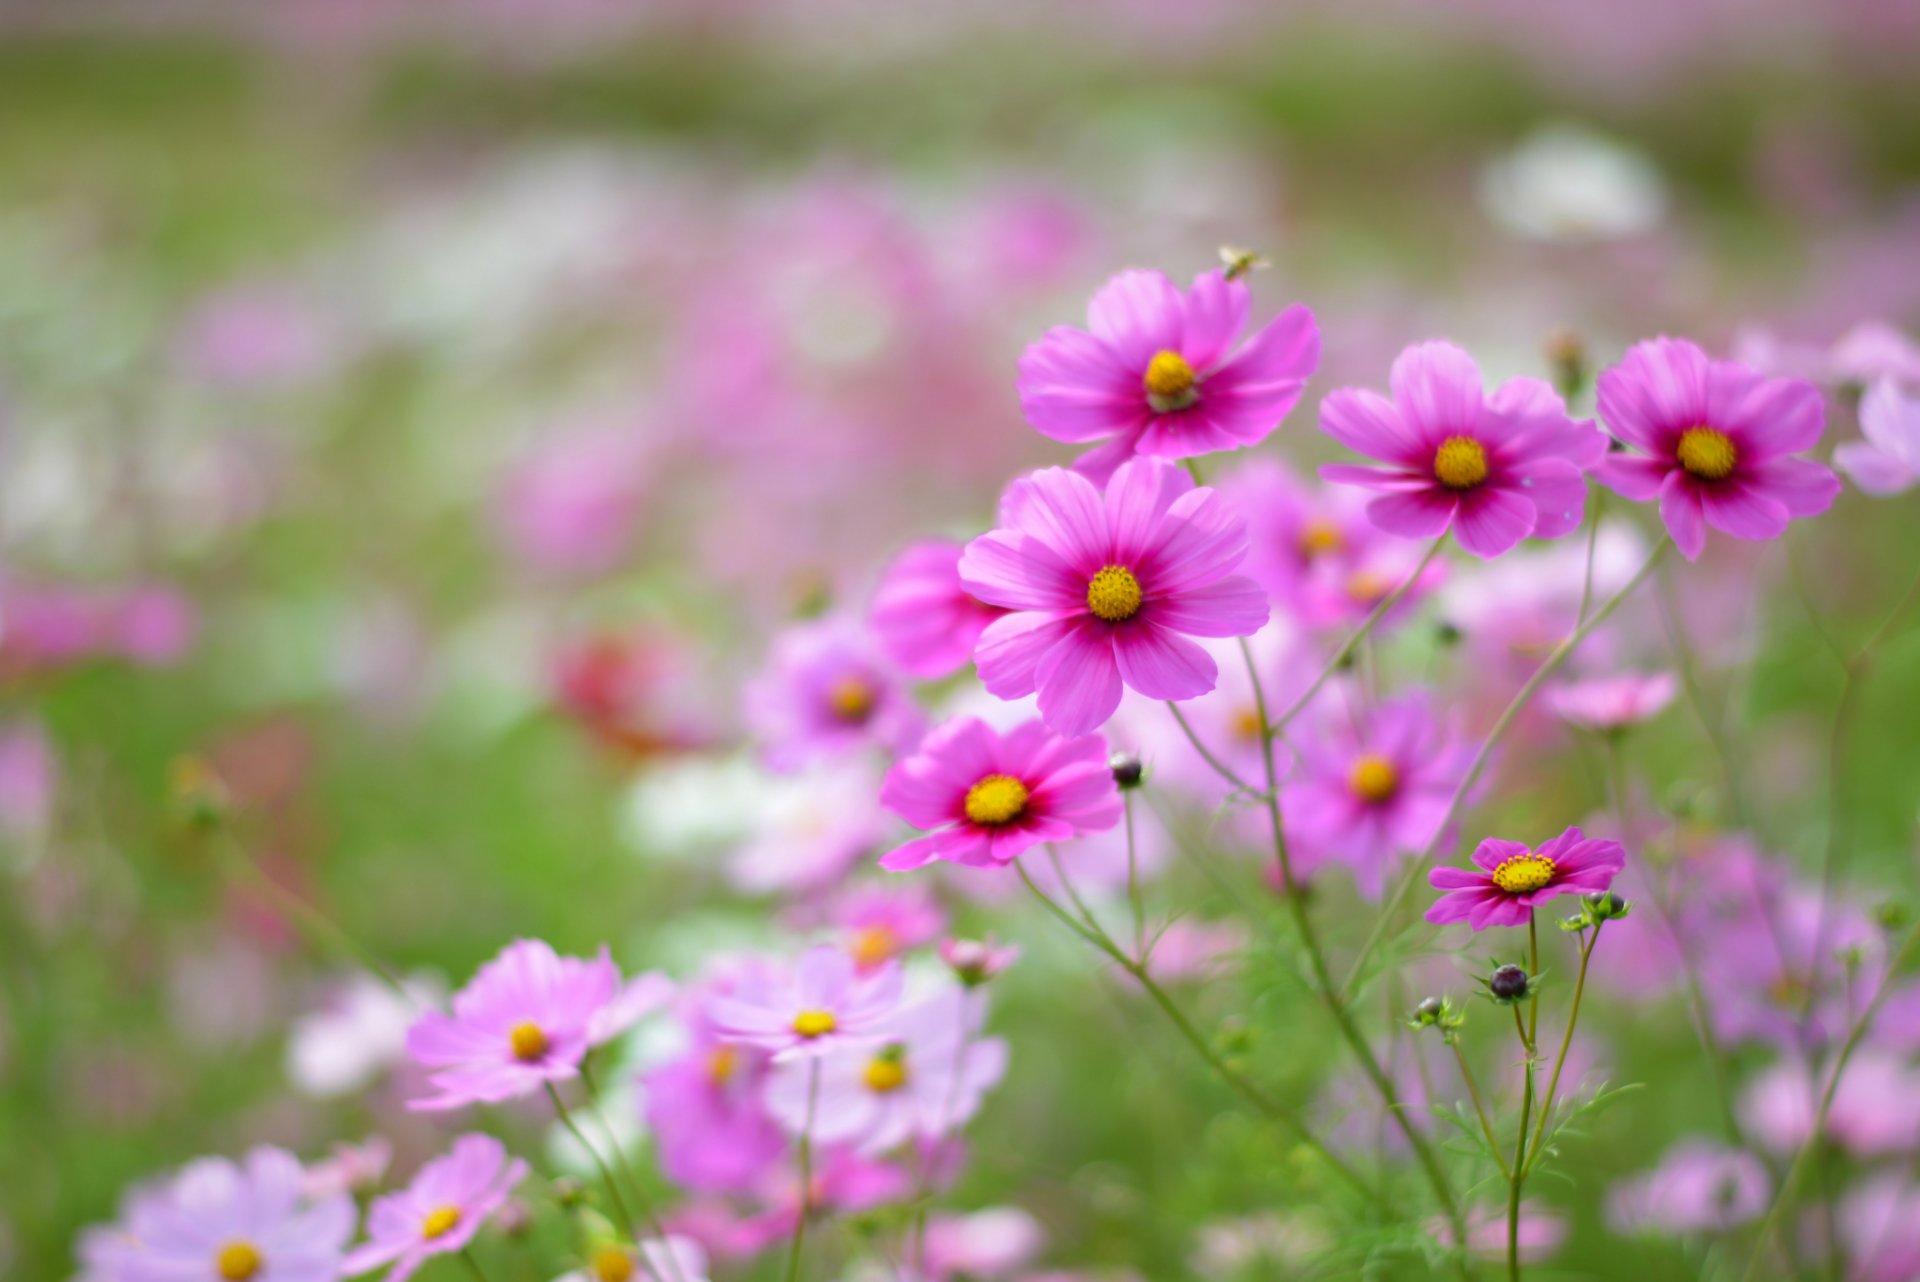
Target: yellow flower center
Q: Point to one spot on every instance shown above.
(612, 1264)
(873, 945)
(238, 1261)
(996, 800)
(529, 1042)
(1247, 725)
(1170, 382)
(1373, 779)
(440, 1223)
(1114, 594)
(814, 1023)
(1707, 454)
(1523, 873)
(1320, 538)
(886, 1074)
(1364, 587)
(852, 699)
(722, 1064)
(1460, 463)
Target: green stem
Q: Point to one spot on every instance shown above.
(1133, 882)
(1518, 704)
(1566, 1043)
(1218, 766)
(634, 1178)
(806, 1175)
(1480, 1108)
(606, 1172)
(473, 1265)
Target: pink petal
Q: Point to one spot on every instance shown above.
(1874, 472)
(1137, 501)
(1415, 514)
(1633, 476)
(1061, 509)
(1437, 388)
(1018, 572)
(1010, 651)
(1233, 607)
(1491, 520)
(1740, 509)
(1559, 493)
(1368, 423)
(1138, 313)
(1803, 487)
(1079, 683)
(1162, 664)
(1680, 510)
(1766, 417)
(1201, 539)
(1215, 313)
(1073, 388)
(1655, 392)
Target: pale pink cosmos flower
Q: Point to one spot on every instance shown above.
(1875, 1110)
(1107, 589)
(921, 615)
(1612, 703)
(668, 1259)
(826, 692)
(877, 924)
(986, 796)
(450, 1198)
(922, 1080)
(1716, 441)
(1155, 373)
(706, 1106)
(1508, 879)
(356, 1034)
(1879, 1223)
(1699, 1187)
(820, 1004)
(1371, 787)
(222, 1219)
(982, 1244)
(572, 504)
(1888, 461)
(350, 1168)
(1541, 1231)
(526, 1020)
(1493, 469)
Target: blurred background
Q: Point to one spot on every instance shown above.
(423, 414)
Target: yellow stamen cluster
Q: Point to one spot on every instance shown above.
(886, 1074)
(1707, 454)
(1523, 873)
(238, 1261)
(1170, 382)
(613, 1264)
(440, 1223)
(814, 1023)
(1373, 779)
(1320, 538)
(1246, 724)
(874, 945)
(1114, 594)
(852, 699)
(722, 1064)
(996, 800)
(1460, 463)
(529, 1041)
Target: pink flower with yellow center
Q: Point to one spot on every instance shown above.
(1107, 588)
(1508, 879)
(985, 797)
(1155, 371)
(440, 1212)
(822, 1003)
(1715, 441)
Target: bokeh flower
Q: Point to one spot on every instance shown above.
(439, 1213)
(985, 797)
(1107, 588)
(1888, 460)
(1155, 371)
(826, 692)
(1715, 441)
(1613, 702)
(226, 1221)
(821, 1003)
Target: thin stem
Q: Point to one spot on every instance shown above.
(1791, 1184)
(1480, 1108)
(1133, 882)
(1593, 548)
(1218, 766)
(806, 1174)
(1518, 704)
(1241, 1085)
(1566, 1043)
(606, 1172)
(639, 1184)
(473, 1265)
(1359, 634)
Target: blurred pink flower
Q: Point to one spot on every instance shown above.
(1699, 1187)
(1107, 590)
(1610, 703)
(975, 961)
(983, 1244)
(571, 505)
(29, 778)
(1155, 372)
(922, 617)
(820, 1004)
(986, 797)
(225, 1219)
(1541, 1231)
(877, 924)
(1493, 469)
(825, 692)
(449, 1200)
(706, 1108)
(1888, 460)
(1715, 439)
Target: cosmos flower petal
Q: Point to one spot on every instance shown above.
(1137, 313)
(1079, 683)
(1681, 512)
(1491, 521)
(1233, 607)
(1368, 423)
(1061, 509)
(1437, 387)
(1873, 471)
(1742, 510)
(1802, 486)
(1633, 476)
(1215, 311)
(1010, 651)
(1016, 571)
(1766, 417)
(1162, 664)
(1424, 513)
(1073, 387)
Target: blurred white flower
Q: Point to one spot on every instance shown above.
(356, 1036)
(1567, 184)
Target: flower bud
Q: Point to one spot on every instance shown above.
(974, 962)
(1607, 906)
(1428, 1012)
(1127, 769)
(1508, 983)
(1567, 357)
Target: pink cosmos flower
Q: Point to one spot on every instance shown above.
(1879, 1223)
(573, 503)
(986, 797)
(826, 692)
(1609, 703)
(1715, 438)
(1875, 1111)
(1108, 589)
(1511, 879)
(669, 1259)
(526, 1019)
(879, 923)
(220, 1219)
(1699, 1187)
(439, 1213)
(922, 1081)
(975, 961)
(1152, 373)
(923, 619)
(350, 1168)
(1494, 469)
(1371, 787)
(1888, 461)
(821, 1004)
(984, 1244)
(706, 1107)
(1541, 1231)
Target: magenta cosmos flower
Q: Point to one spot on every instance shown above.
(922, 618)
(984, 797)
(1153, 372)
(1493, 469)
(822, 1004)
(1714, 437)
(439, 1213)
(1510, 879)
(1106, 589)
(826, 692)
(222, 1221)
(527, 1018)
